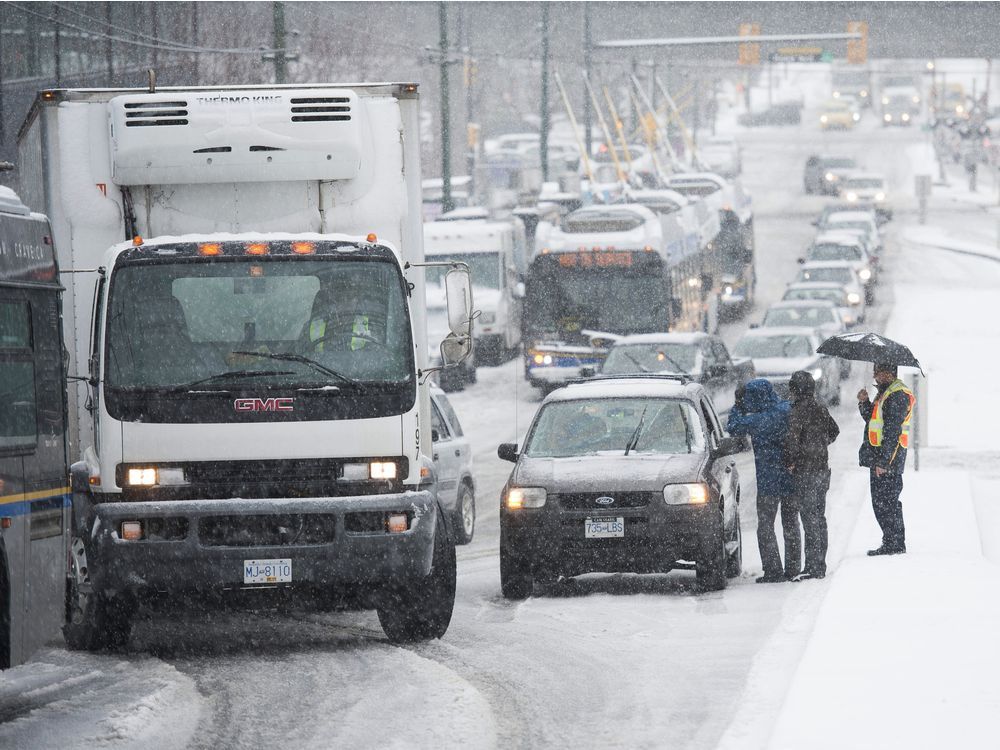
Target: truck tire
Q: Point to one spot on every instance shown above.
(516, 582)
(421, 609)
(465, 515)
(710, 567)
(95, 620)
(4, 612)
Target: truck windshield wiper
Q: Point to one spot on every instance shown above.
(306, 361)
(230, 374)
(634, 440)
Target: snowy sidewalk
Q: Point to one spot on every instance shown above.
(904, 651)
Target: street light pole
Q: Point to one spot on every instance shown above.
(588, 49)
(280, 68)
(446, 201)
(543, 144)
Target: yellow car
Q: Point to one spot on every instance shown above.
(837, 113)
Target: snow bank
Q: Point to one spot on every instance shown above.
(903, 653)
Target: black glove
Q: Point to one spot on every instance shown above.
(740, 392)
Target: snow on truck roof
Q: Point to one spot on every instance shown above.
(254, 237)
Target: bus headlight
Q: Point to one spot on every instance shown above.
(685, 494)
(525, 497)
(540, 358)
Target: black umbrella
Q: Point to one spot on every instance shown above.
(869, 347)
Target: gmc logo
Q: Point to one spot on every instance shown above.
(264, 404)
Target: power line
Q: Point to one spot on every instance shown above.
(163, 45)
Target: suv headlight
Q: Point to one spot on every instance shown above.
(685, 494)
(854, 298)
(525, 497)
(817, 373)
(865, 274)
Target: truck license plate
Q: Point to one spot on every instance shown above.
(603, 528)
(267, 571)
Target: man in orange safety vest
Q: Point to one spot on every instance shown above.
(883, 451)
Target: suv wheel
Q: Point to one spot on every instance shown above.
(515, 579)
(419, 609)
(710, 568)
(94, 619)
(465, 520)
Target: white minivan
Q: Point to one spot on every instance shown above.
(494, 252)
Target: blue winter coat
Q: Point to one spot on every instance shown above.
(763, 416)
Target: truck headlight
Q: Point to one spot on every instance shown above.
(360, 472)
(854, 298)
(864, 274)
(154, 476)
(685, 494)
(525, 497)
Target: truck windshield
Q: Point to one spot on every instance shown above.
(269, 322)
(485, 268)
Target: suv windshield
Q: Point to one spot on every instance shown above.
(268, 322)
(673, 357)
(835, 295)
(588, 426)
(799, 316)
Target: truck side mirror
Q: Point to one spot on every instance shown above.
(455, 349)
(458, 287)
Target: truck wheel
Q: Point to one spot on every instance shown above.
(734, 563)
(4, 614)
(94, 620)
(710, 567)
(465, 519)
(421, 608)
(516, 582)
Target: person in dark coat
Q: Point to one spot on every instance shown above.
(762, 415)
(810, 430)
(883, 451)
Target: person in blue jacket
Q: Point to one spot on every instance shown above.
(762, 415)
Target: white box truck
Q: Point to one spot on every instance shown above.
(245, 316)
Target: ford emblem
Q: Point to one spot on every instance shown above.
(605, 500)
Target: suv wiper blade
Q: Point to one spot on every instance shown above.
(306, 361)
(634, 440)
(230, 374)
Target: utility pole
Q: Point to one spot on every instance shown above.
(109, 48)
(56, 39)
(154, 23)
(446, 201)
(543, 143)
(471, 128)
(194, 41)
(588, 49)
(280, 68)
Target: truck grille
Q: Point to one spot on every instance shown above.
(266, 530)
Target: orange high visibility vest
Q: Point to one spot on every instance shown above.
(875, 423)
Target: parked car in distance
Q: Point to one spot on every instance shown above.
(867, 187)
(453, 464)
(778, 352)
(823, 173)
(702, 356)
(621, 474)
(822, 315)
(824, 290)
(840, 272)
(837, 246)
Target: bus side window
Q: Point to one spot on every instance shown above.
(18, 417)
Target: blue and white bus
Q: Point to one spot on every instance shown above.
(34, 496)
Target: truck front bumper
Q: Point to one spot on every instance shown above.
(205, 545)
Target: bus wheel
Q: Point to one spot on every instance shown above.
(94, 620)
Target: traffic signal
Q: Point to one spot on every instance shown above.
(857, 49)
(749, 51)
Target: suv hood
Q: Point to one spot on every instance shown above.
(638, 472)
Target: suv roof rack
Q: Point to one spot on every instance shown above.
(678, 377)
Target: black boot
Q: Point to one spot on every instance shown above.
(887, 550)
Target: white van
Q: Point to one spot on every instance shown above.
(494, 251)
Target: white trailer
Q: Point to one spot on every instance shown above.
(231, 439)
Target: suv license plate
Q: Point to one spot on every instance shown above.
(267, 571)
(603, 528)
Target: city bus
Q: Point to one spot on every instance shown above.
(609, 271)
(34, 496)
